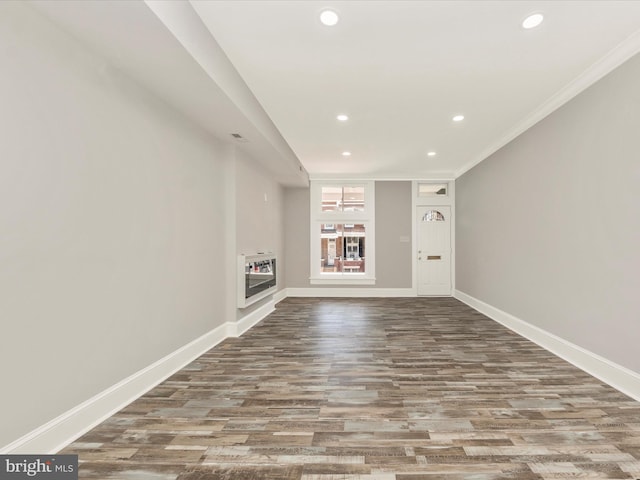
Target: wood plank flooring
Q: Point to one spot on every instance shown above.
(371, 389)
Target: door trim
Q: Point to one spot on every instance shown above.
(450, 201)
(444, 289)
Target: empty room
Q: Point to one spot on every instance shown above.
(302, 240)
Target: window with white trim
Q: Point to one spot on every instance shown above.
(342, 232)
(432, 189)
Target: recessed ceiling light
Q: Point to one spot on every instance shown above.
(431, 154)
(342, 117)
(346, 154)
(532, 21)
(329, 18)
(458, 118)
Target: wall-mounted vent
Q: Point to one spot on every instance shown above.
(239, 138)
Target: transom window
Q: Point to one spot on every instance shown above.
(433, 216)
(432, 189)
(343, 199)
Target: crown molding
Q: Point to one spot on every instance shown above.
(616, 57)
(431, 177)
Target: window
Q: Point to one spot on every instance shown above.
(343, 199)
(432, 189)
(433, 216)
(342, 248)
(342, 233)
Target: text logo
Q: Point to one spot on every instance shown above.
(49, 467)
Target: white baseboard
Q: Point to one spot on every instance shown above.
(350, 292)
(245, 323)
(621, 378)
(61, 431)
(279, 295)
(64, 429)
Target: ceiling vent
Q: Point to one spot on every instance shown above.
(239, 138)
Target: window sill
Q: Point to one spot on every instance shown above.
(341, 280)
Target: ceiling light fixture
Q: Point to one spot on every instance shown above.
(532, 21)
(431, 154)
(329, 18)
(458, 118)
(346, 154)
(342, 117)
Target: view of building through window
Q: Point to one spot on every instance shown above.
(342, 248)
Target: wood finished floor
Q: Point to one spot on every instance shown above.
(371, 389)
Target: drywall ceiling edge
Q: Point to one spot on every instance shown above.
(187, 27)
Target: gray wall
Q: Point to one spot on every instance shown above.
(393, 220)
(115, 213)
(548, 228)
(259, 210)
(259, 218)
(296, 237)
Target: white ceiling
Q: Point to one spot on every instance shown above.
(402, 69)
(399, 69)
(164, 47)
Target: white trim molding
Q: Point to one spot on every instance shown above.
(350, 292)
(442, 200)
(61, 431)
(319, 217)
(352, 279)
(236, 329)
(616, 57)
(439, 176)
(64, 429)
(56, 434)
(279, 296)
(621, 378)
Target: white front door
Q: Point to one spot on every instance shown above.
(434, 250)
(331, 252)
